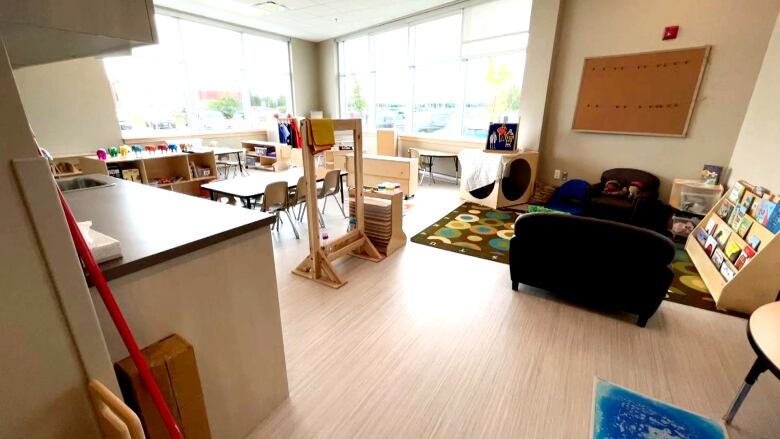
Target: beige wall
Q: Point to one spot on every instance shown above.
(757, 154)
(739, 35)
(69, 105)
(329, 78)
(305, 69)
(42, 381)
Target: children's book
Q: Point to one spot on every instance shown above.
(748, 200)
(755, 207)
(710, 245)
(711, 174)
(702, 236)
(753, 242)
(727, 272)
(722, 236)
(744, 257)
(710, 227)
(718, 257)
(736, 192)
(725, 210)
(744, 226)
(732, 251)
(501, 137)
(736, 217)
(765, 211)
(773, 223)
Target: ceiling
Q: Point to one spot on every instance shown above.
(312, 20)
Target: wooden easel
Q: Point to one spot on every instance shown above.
(318, 264)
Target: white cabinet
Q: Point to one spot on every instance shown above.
(42, 31)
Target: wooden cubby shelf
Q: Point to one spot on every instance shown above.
(184, 167)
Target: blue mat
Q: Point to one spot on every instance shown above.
(619, 413)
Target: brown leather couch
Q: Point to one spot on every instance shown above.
(644, 210)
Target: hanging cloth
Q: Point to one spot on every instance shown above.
(284, 133)
(296, 134)
(320, 135)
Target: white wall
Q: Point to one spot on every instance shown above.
(329, 78)
(739, 34)
(757, 155)
(69, 105)
(42, 384)
(305, 69)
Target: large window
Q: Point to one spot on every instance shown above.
(200, 78)
(451, 75)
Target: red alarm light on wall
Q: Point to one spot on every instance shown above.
(670, 32)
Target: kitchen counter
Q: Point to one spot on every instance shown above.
(154, 225)
(206, 272)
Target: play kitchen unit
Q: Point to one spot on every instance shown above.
(210, 332)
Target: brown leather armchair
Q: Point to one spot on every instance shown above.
(643, 210)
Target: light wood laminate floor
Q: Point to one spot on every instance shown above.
(430, 343)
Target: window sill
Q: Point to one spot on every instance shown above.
(440, 140)
(200, 135)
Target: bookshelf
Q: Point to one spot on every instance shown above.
(757, 282)
(178, 172)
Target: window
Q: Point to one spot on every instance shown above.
(451, 75)
(200, 78)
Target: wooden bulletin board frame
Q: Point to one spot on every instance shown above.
(647, 94)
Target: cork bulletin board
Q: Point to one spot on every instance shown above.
(649, 93)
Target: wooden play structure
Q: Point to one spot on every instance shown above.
(318, 265)
(384, 218)
(514, 183)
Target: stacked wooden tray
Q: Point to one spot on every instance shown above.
(383, 216)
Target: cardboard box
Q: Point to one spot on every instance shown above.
(172, 361)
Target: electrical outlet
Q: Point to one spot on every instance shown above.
(557, 174)
(565, 175)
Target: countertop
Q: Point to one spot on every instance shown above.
(154, 225)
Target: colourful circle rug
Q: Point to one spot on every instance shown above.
(472, 230)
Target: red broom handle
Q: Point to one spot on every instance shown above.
(96, 274)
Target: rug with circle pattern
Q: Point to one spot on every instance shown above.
(472, 230)
(687, 287)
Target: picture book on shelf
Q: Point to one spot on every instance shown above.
(755, 207)
(702, 236)
(718, 257)
(725, 210)
(736, 216)
(722, 235)
(710, 174)
(747, 200)
(727, 272)
(765, 211)
(710, 245)
(773, 223)
(744, 226)
(732, 251)
(710, 227)
(753, 242)
(736, 192)
(744, 257)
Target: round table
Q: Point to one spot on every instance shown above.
(763, 331)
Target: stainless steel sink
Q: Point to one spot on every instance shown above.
(81, 183)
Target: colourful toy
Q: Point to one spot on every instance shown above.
(137, 150)
(150, 149)
(162, 149)
(113, 151)
(101, 154)
(172, 148)
(124, 150)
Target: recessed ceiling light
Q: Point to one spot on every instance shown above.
(270, 6)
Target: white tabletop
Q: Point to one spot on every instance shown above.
(255, 184)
